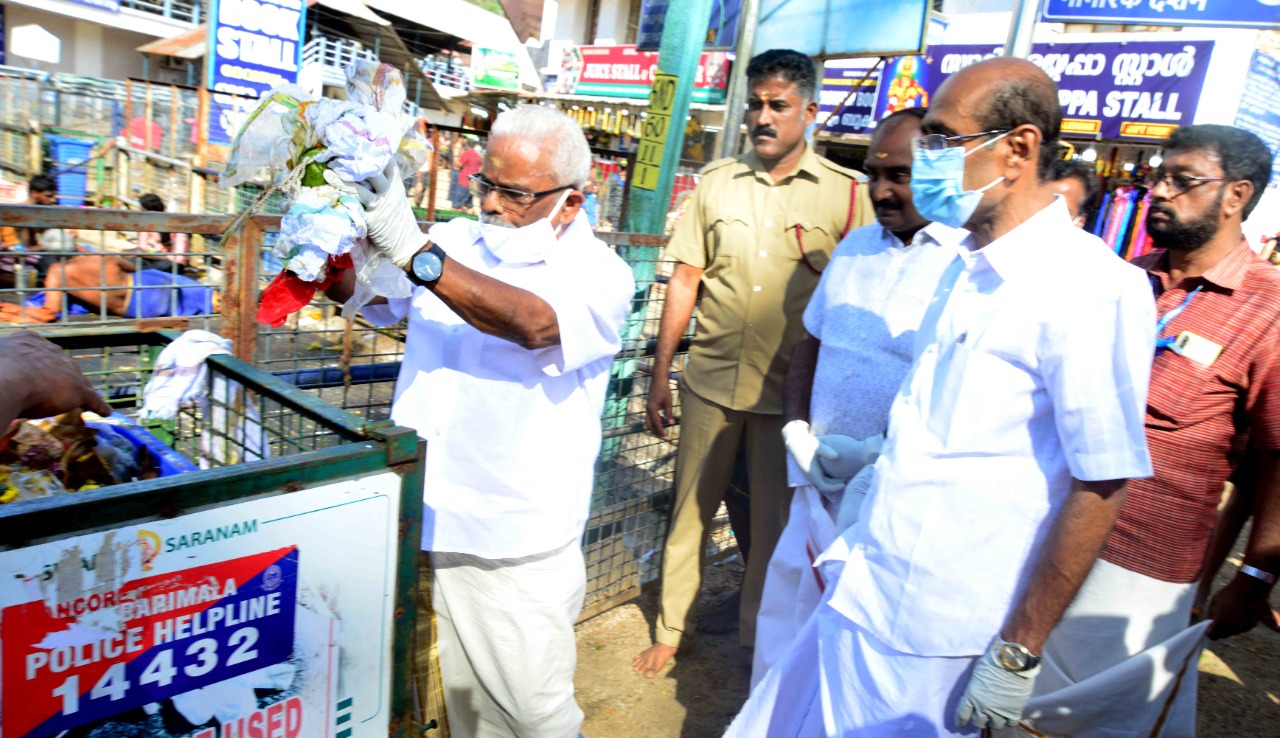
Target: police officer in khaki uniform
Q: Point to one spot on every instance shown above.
(755, 238)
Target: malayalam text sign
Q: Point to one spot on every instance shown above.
(254, 45)
(270, 617)
(839, 79)
(1229, 13)
(1141, 90)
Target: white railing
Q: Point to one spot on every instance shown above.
(187, 12)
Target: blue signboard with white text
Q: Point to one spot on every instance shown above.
(1229, 13)
(254, 45)
(1258, 112)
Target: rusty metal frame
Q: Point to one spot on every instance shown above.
(240, 257)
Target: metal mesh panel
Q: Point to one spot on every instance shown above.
(86, 276)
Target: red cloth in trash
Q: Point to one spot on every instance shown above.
(288, 293)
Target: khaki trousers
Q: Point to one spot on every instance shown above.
(709, 440)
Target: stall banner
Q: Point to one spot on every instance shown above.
(722, 30)
(1140, 90)
(495, 69)
(254, 45)
(621, 71)
(227, 113)
(1229, 13)
(838, 79)
(1258, 111)
(271, 617)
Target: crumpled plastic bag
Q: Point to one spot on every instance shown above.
(264, 145)
(118, 453)
(298, 144)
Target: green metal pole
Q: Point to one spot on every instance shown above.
(683, 36)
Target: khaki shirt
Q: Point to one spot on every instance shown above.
(741, 229)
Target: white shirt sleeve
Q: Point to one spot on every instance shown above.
(1097, 366)
(590, 313)
(393, 311)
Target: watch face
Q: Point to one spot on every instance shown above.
(1013, 657)
(427, 266)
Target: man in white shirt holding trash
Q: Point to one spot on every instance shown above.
(1008, 448)
(860, 326)
(513, 325)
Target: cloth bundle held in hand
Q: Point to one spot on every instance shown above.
(318, 153)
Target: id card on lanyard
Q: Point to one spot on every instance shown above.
(1164, 342)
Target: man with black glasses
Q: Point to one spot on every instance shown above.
(1123, 659)
(513, 325)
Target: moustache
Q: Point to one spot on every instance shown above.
(1163, 210)
(763, 131)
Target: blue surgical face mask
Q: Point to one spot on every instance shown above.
(937, 184)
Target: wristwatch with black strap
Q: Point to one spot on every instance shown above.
(1015, 657)
(427, 265)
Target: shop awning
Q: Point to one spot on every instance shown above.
(189, 45)
(457, 18)
(353, 8)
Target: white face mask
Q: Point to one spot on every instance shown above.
(524, 244)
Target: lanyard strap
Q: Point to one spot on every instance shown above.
(1167, 318)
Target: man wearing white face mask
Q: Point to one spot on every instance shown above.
(512, 329)
(1008, 449)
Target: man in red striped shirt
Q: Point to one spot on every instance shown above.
(1123, 657)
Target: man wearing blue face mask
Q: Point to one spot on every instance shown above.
(513, 325)
(1009, 442)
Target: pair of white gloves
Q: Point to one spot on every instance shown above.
(829, 462)
(994, 697)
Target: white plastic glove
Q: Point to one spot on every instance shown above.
(995, 697)
(851, 455)
(806, 449)
(392, 227)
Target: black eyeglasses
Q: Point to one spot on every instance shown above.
(1178, 182)
(938, 142)
(481, 187)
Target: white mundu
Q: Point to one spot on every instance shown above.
(512, 436)
(865, 311)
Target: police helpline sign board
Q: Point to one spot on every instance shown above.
(264, 619)
(254, 45)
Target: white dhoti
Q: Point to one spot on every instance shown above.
(1121, 663)
(793, 587)
(839, 681)
(506, 643)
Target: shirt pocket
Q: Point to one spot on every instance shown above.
(730, 235)
(974, 395)
(1178, 388)
(810, 238)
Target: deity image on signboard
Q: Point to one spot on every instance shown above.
(905, 89)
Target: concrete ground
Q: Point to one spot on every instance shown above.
(698, 694)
